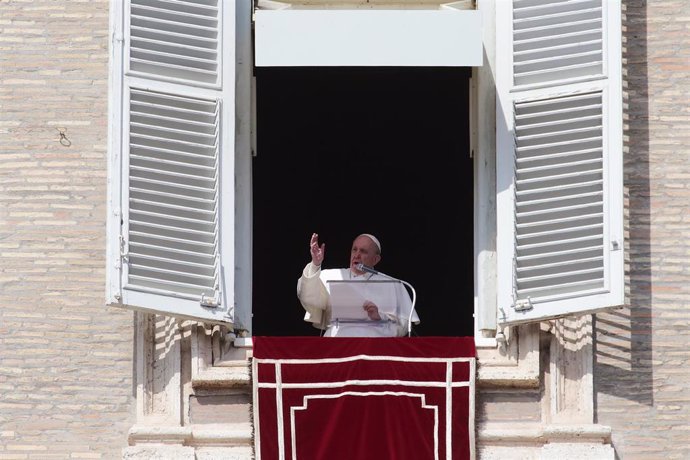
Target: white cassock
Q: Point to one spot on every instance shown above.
(314, 296)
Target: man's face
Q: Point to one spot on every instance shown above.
(363, 251)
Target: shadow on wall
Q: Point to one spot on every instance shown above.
(623, 353)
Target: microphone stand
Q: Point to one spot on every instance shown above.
(364, 268)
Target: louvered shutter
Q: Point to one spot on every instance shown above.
(172, 162)
(559, 159)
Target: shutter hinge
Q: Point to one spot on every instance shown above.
(615, 245)
(523, 304)
(210, 302)
(123, 253)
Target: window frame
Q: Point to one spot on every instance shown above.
(516, 346)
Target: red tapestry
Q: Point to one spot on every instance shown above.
(364, 398)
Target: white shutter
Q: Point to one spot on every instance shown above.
(172, 158)
(556, 40)
(559, 159)
(173, 194)
(175, 40)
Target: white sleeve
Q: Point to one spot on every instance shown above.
(312, 294)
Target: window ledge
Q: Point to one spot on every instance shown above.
(495, 377)
(223, 377)
(194, 435)
(513, 362)
(584, 433)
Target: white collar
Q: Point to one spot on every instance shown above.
(354, 275)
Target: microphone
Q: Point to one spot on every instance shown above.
(363, 268)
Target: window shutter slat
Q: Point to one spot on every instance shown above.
(165, 276)
(170, 154)
(548, 266)
(200, 270)
(163, 187)
(189, 169)
(556, 40)
(174, 200)
(175, 40)
(568, 286)
(559, 253)
(189, 247)
(564, 128)
(538, 236)
(173, 253)
(560, 190)
(172, 221)
(162, 176)
(170, 209)
(549, 212)
(559, 159)
(184, 291)
(153, 230)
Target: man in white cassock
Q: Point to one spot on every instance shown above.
(313, 291)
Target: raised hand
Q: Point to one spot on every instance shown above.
(317, 252)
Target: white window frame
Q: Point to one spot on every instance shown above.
(522, 347)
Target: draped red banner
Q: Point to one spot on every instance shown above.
(364, 398)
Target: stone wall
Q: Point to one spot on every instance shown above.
(642, 369)
(66, 386)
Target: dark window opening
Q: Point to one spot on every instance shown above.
(344, 151)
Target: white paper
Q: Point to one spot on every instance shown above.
(348, 298)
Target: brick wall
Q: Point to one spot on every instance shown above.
(65, 359)
(642, 373)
